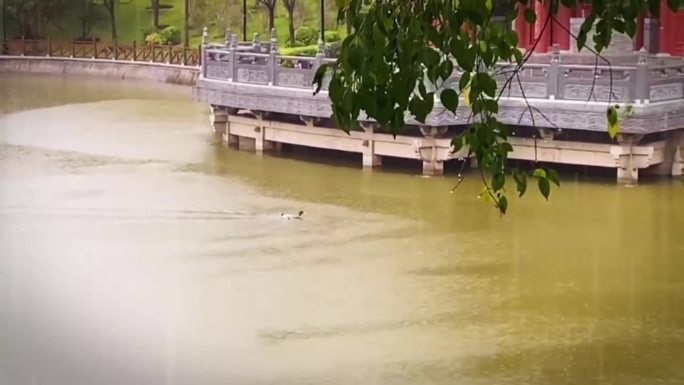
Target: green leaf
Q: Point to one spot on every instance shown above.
(456, 144)
(518, 56)
(430, 57)
(498, 181)
(355, 57)
(420, 108)
(465, 57)
(539, 173)
(553, 176)
(503, 204)
(673, 4)
(449, 99)
(530, 16)
(613, 124)
(446, 68)
(318, 77)
(581, 40)
(464, 81)
(488, 5)
(511, 38)
(492, 106)
(520, 181)
(486, 83)
(544, 187)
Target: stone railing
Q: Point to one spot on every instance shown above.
(637, 78)
(259, 64)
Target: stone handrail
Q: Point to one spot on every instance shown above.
(555, 76)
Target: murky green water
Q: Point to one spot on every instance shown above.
(133, 250)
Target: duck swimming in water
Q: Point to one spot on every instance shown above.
(290, 216)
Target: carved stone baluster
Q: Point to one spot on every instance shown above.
(205, 42)
(642, 80)
(273, 64)
(553, 74)
(256, 43)
(233, 57)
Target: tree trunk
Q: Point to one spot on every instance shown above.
(271, 18)
(291, 26)
(155, 12)
(111, 7)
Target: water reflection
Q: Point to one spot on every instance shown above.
(135, 250)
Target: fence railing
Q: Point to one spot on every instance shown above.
(168, 54)
(639, 78)
(258, 64)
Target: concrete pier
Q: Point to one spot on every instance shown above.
(630, 155)
(566, 97)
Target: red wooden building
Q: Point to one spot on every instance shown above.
(656, 35)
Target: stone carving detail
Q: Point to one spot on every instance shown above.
(294, 78)
(532, 90)
(601, 93)
(250, 75)
(666, 92)
(219, 70)
(301, 102)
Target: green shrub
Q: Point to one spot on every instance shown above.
(333, 49)
(153, 38)
(147, 31)
(309, 51)
(306, 35)
(332, 36)
(170, 35)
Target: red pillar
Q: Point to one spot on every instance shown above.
(639, 38)
(522, 27)
(666, 28)
(560, 32)
(541, 34)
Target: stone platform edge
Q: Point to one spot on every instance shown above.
(110, 69)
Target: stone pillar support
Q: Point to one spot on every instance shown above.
(260, 142)
(548, 133)
(219, 120)
(432, 155)
(678, 159)
(627, 168)
(369, 157)
(309, 121)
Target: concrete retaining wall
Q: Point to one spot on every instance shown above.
(158, 72)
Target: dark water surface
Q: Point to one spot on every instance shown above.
(133, 250)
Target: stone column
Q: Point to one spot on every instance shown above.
(627, 170)
(433, 156)
(667, 167)
(261, 144)
(228, 138)
(678, 160)
(369, 158)
(219, 120)
(651, 35)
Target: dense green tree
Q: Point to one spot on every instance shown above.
(32, 16)
(270, 6)
(111, 6)
(290, 8)
(400, 53)
(88, 14)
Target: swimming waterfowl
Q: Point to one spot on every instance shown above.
(290, 216)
